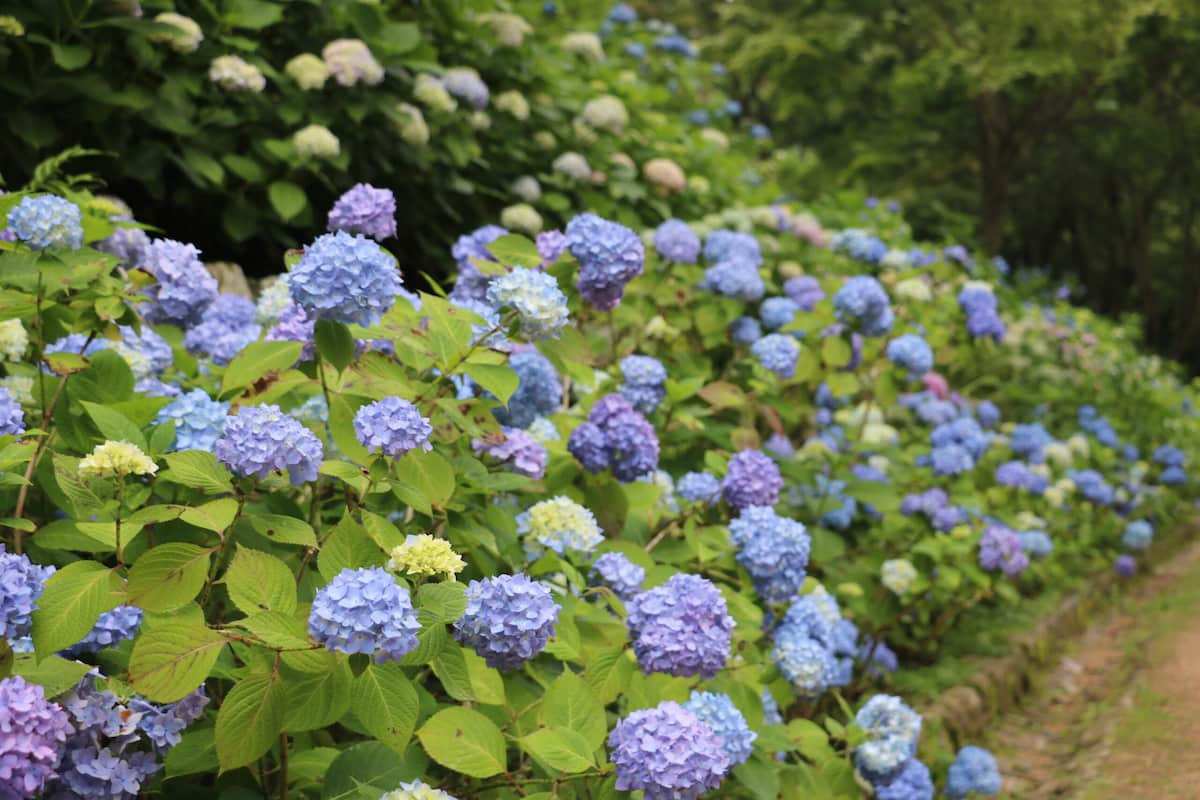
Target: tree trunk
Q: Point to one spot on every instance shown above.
(993, 172)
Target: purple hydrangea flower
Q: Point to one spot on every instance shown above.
(21, 583)
(364, 611)
(912, 353)
(668, 753)
(538, 394)
(262, 439)
(718, 712)
(47, 222)
(677, 242)
(780, 445)
(366, 210)
(777, 352)
(773, 549)
(618, 573)
(987, 413)
(112, 628)
(698, 487)
(550, 245)
(863, 300)
(12, 418)
(644, 382)
(471, 283)
(752, 479)
(220, 341)
(974, 771)
(615, 437)
(32, 733)
(392, 426)
(465, 83)
(1126, 566)
(163, 725)
(737, 278)
(295, 326)
(1000, 548)
(522, 453)
(509, 619)
(199, 420)
(183, 289)
(682, 628)
(345, 277)
(609, 255)
(805, 291)
(153, 387)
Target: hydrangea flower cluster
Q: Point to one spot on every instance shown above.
(350, 61)
(1126, 566)
(859, 245)
(898, 575)
(345, 277)
(12, 418)
(893, 729)
(668, 753)
(1091, 421)
(21, 583)
(718, 712)
(979, 304)
(682, 628)
(1000, 548)
(111, 628)
(974, 771)
(116, 460)
(745, 330)
(1037, 544)
(540, 305)
(364, 611)
(777, 352)
(807, 663)
(805, 291)
(295, 325)
(1138, 535)
(912, 353)
(465, 84)
(698, 487)
(508, 620)
(775, 312)
(308, 71)
(1018, 475)
(1029, 441)
(517, 449)
(234, 74)
(752, 479)
(14, 340)
(392, 426)
(261, 439)
(416, 790)
(644, 382)
(619, 574)
(773, 549)
(561, 525)
(316, 141)
(47, 222)
(471, 283)
(912, 782)
(199, 420)
(862, 301)
(32, 733)
(676, 242)
(423, 556)
(737, 277)
(186, 36)
(538, 394)
(219, 339)
(146, 353)
(1092, 486)
(609, 255)
(615, 436)
(182, 289)
(366, 210)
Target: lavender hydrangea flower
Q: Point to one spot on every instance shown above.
(619, 574)
(471, 283)
(32, 733)
(974, 771)
(465, 83)
(718, 712)
(295, 325)
(776, 312)
(698, 487)
(987, 413)
(199, 420)
(220, 341)
(518, 450)
(364, 611)
(609, 255)
(47, 222)
(863, 300)
(392, 426)
(1126, 566)
(1000, 548)
(345, 277)
(21, 583)
(912, 782)
(773, 549)
(682, 628)
(12, 418)
(722, 245)
(805, 291)
(893, 729)
(777, 352)
(540, 305)
(153, 387)
(262, 439)
(1017, 475)
(644, 382)
(146, 353)
(668, 753)
(617, 437)
(912, 353)
(366, 210)
(745, 330)
(182, 289)
(509, 619)
(550, 246)
(676, 242)
(737, 278)
(111, 628)
(752, 479)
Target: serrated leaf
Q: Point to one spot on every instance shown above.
(198, 469)
(572, 704)
(52, 673)
(560, 748)
(114, 425)
(284, 529)
(168, 576)
(487, 684)
(169, 661)
(250, 720)
(316, 700)
(500, 380)
(348, 547)
(257, 360)
(385, 702)
(72, 600)
(515, 250)
(441, 602)
(277, 630)
(215, 515)
(258, 581)
(465, 741)
(450, 667)
(431, 641)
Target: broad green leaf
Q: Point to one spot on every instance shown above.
(441, 602)
(348, 547)
(449, 333)
(215, 515)
(258, 581)
(257, 361)
(429, 473)
(114, 425)
(83, 493)
(284, 529)
(334, 343)
(287, 199)
(250, 720)
(316, 700)
(486, 682)
(196, 752)
(153, 514)
(572, 704)
(451, 669)
(74, 597)
(385, 702)
(560, 748)
(370, 766)
(197, 469)
(431, 641)
(52, 673)
(277, 630)
(836, 351)
(515, 250)
(465, 741)
(498, 379)
(169, 661)
(168, 576)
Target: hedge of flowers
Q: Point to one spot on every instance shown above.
(646, 504)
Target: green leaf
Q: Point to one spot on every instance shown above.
(385, 702)
(284, 529)
(451, 669)
(316, 700)
(80, 491)
(169, 661)
(431, 641)
(258, 581)
(195, 753)
(215, 515)
(367, 766)
(257, 361)
(497, 379)
(250, 720)
(52, 673)
(65, 363)
(487, 683)
(348, 546)
(572, 704)
(168, 576)
(842, 384)
(428, 473)
(334, 342)
(441, 602)
(71, 56)
(253, 14)
(277, 630)
(152, 514)
(560, 748)
(836, 351)
(449, 333)
(197, 469)
(114, 425)
(514, 250)
(74, 597)
(465, 741)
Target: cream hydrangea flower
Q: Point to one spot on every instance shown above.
(13, 340)
(898, 575)
(20, 388)
(513, 103)
(412, 126)
(573, 165)
(522, 218)
(186, 37)
(509, 29)
(416, 791)
(308, 70)
(585, 45)
(423, 555)
(116, 460)
(606, 112)
(316, 141)
(234, 74)
(431, 93)
(559, 524)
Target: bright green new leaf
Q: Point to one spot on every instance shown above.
(560, 748)
(250, 720)
(169, 661)
(168, 576)
(258, 581)
(385, 702)
(74, 597)
(465, 741)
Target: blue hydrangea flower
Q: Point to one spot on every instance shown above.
(472, 284)
(780, 445)
(1000, 548)
(364, 611)
(618, 573)
(807, 664)
(815, 615)
(153, 387)
(617, 437)
(752, 479)
(262, 439)
(912, 782)
(1172, 476)
(912, 353)
(668, 753)
(863, 301)
(392, 426)
(777, 352)
(232, 310)
(773, 549)
(609, 255)
(1138, 535)
(1169, 456)
(112, 628)
(540, 305)
(975, 299)
(677, 242)
(21, 583)
(295, 325)
(893, 729)
(776, 312)
(1028, 441)
(722, 245)
(183, 289)
(520, 451)
(1092, 486)
(859, 245)
(718, 712)
(974, 771)
(219, 341)
(1036, 543)
(644, 382)
(745, 330)
(964, 432)
(538, 394)
(12, 418)
(47, 222)
(163, 725)
(366, 210)
(465, 83)
(698, 487)
(508, 620)
(987, 413)
(1019, 476)
(805, 291)
(737, 278)
(345, 277)
(32, 733)
(199, 420)
(622, 14)
(682, 628)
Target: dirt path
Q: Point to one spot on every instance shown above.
(1119, 718)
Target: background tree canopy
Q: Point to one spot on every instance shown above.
(1066, 131)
